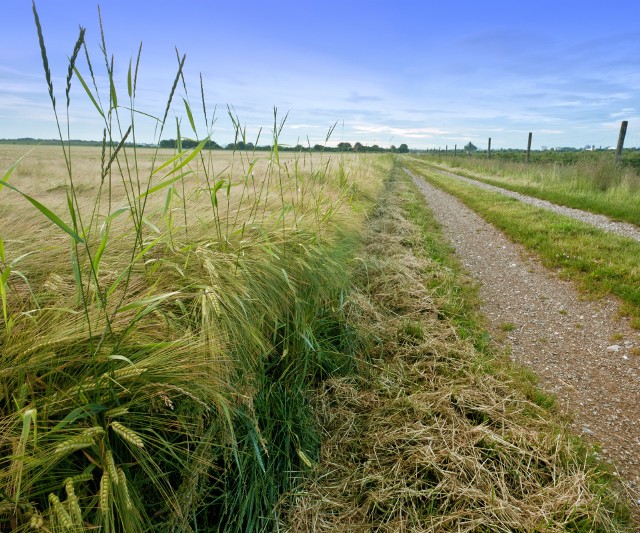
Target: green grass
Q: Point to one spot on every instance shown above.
(601, 263)
(592, 183)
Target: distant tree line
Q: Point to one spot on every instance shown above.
(189, 143)
(249, 146)
(238, 145)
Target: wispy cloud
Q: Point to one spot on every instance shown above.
(409, 132)
(357, 98)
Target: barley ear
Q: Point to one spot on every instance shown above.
(43, 52)
(122, 479)
(110, 465)
(61, 513)
(103, 495)
(127, 434)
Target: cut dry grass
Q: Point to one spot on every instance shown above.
(435, 435)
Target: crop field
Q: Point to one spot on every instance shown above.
(165, 340)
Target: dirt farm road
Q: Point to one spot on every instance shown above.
(583, 353)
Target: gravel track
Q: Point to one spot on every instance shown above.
(582, 351)
(605, 223)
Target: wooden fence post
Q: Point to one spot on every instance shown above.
(529, 146)
(489, 149)
(623, 133)
(455, 150)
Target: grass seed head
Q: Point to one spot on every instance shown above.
(127, 434)
(122, 481)
(105, 488)
(61, 513)
(110, 467)
(74, 443)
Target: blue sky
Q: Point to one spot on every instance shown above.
(429, 74)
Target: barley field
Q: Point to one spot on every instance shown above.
(159, 345)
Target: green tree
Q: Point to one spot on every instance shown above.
(470, 147)
(345, 147)
(403, 149)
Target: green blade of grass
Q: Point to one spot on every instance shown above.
(45, 211)
(138, 112)
(214, 191)
(114, 95)
(129, 85)
(164, 184)
(185, 161)
(98, 255)
(79, 413)
(88, 91)
(167, 201)
(189, 115)
(4, 276)
(117, 213)
(26, 429)
(8, 173)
